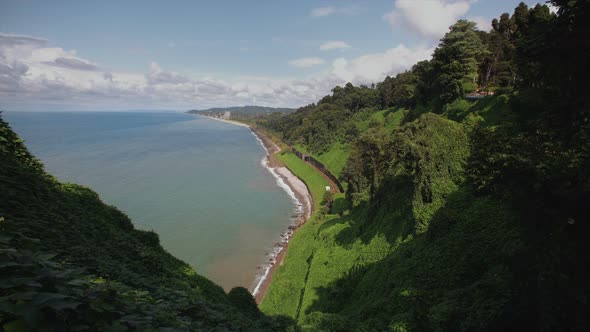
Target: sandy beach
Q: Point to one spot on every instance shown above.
(302, 197)
(224, 120)
(305, 209)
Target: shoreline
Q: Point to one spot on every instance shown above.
(301, 196)
(303, 204)
(223, 120)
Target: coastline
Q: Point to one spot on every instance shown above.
(302, 199)
(223, 120)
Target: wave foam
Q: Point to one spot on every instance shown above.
(285, 236)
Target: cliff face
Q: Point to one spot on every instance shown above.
(68, 260)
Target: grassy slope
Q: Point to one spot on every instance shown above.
(318, 243)
(368, 268)
(314, 181)
(289, 279)
(335, 158)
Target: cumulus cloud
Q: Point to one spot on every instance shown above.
(322, 11)
(7, 40)
(31, 73)
(306, 62)
(429, 18)
(334, 45)
(11, 76)
(374, 67)
(108, 76)
(159, 76)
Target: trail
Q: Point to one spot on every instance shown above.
(309, 261)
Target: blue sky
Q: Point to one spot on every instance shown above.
(95, 55)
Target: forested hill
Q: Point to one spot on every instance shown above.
(244, 111)
(70, 262)
(468, 182)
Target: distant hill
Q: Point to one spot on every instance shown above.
(243, 110)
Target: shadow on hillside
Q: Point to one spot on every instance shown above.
(455, 276)
(389, 214)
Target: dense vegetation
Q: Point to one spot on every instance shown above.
(468, 178)
(466, 207)
(70, 262)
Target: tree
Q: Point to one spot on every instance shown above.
(398, 91)
(456, 61)
(368, 161)
(497, 69)
(532, 44)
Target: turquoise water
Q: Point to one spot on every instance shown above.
(197, 182)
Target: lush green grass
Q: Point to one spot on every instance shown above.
(288, 281)
(334, 159)
(390, 119)
(314, 181)
(393, 118)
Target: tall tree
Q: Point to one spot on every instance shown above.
(456, 61)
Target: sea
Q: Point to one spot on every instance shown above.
(201, 184)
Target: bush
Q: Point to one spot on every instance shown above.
(241, 298)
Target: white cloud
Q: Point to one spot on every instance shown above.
(73, 63)
(159, 76)
(306, 62)
(482, 22)
(34, 75)
(333, 45)
(330, 10)
(430, 18)
(322, 11)
(374, 67)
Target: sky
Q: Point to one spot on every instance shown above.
(179, 55)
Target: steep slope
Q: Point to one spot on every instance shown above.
(70, 261)
(469, 210)
(393, 261)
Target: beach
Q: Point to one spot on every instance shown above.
(301, 196)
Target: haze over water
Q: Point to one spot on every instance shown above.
(197, 182)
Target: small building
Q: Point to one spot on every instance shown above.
(328, 188)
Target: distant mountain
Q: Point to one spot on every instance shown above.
(244, 110)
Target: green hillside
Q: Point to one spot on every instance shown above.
(70, 262)
(466, 179)
(466, 208)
